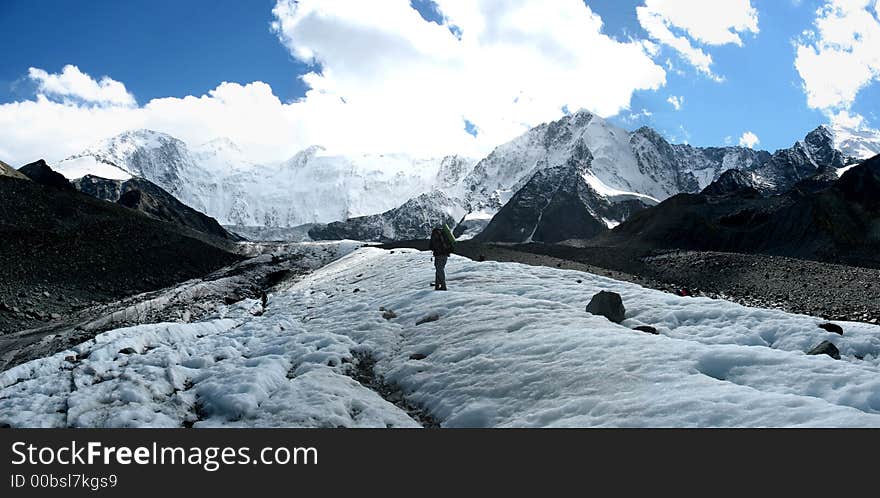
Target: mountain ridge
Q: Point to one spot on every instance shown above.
(315, 187)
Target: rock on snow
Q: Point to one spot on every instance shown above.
(512, 348)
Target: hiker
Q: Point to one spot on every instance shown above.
(442, 244)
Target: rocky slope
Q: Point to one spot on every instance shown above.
(152, 200)
(41, 173)
(63, 250)
(7, 170)
(557, 204)
(412, 220)
(838, 224)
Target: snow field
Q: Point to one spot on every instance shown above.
(513, 347)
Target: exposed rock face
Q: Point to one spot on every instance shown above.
(556, 204)
(412, 220)
(152, 200)
(840, 224)
(734, 181)
(9, 171)
(41, 173)
(815, 154)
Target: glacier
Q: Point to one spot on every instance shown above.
(512, 347)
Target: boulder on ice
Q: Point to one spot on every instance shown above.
(825, 347)
(609, 305)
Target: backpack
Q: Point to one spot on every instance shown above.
(448, 240)
(441, 243)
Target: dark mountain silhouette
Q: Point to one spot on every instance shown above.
(835, 221)
(556, 204)
(60, 244)
(41, 173)
(150, 199)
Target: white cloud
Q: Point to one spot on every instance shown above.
(635, 117)
(676, 102)
(73, 83)
(516, 64)
(749, 139)
(716, 22)
(389, 81)
(841, 57)
(249, 114)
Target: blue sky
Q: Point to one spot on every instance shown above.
(158, 48)
(761, 91)
(166, 48)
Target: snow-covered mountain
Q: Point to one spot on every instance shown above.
(557, 204)
(315, 186)
(413, 220)
(222, 156)
(858, 143)
(619, 166)
(640, 162)
(619, 171)
(311, 187)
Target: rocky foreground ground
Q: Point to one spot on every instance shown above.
(833, 292)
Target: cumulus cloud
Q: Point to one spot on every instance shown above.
(675, 102)
(840, 57)
(75, 84)
(680, 24)
(385, 80)
(501, 65)
(749, 139)
(249, 114)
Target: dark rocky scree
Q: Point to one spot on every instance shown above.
(189, 301)
(64, 251)
(364, 371)
(832, 292)
(152, 200)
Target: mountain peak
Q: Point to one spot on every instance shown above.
(41, 173)
(220, 144)
(303, 157)
(732, 181)
(821, 135)
(860, 143)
